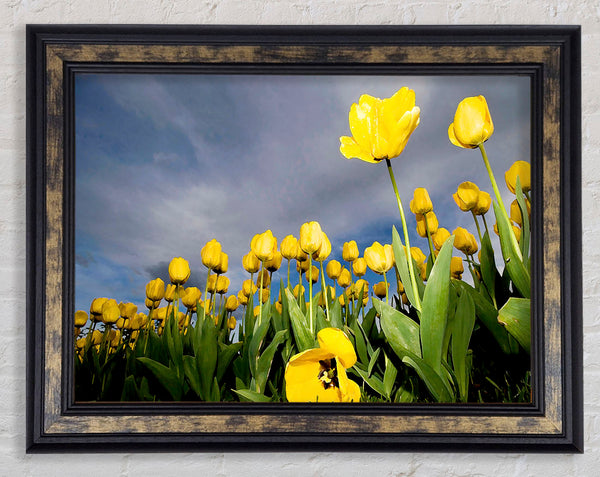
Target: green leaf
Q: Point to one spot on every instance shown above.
(435, 308)
(489, 273)
(206, 358)
(260, 331)
(402, 267)
(192, 374)
(374, 382)
(439, 387)
(359, 339)
(515, 315)
(524, 243)
(302, 335)
(401, 332)
(251, 395)
(514, 265)
(226, 354)
(166, 376)
(335, 314)
(389, 377)
(264, 362)
(462, 329)
(373, 361)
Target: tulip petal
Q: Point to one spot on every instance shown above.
(454, 140)
(351, 149)
(334, 341)
(349, 390)
(302, 382)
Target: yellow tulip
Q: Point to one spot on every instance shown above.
(359, 267)
(96, 308)
(115, 338)
(456, 268)
(243, 299)
(380, 127)
(517, 231)
(179, 271)
(264, 295)
(333, 269)
(330, 292)
(465, 241)
(96, 338)
(311, 236)
(432, 224)
(279, 307)
(155, 289)
(231, 304)
(466, 196)
(418, 256)
(250, 263)
(211, 285)
(324, 250)
(298, 289)
(110, 311)
(313, 275)
(190, 297)
(264, 245)
(345, 278)
(350, 251)
(301, 256)
(521, 169)
(358, 286)
(211, 254)
(484, 201)
(421, 203)
(231, 322)
(138, 321)
(151, 304)
(127, 310)
(223, 283)
(274, 264)
(379, 258)
(472, 124)
(289, 247)
(223, 264)
(81, 318)
(170, 293)
(440, 237)
(266, 279)
(248, 287)
(380, 289)
(319, 374)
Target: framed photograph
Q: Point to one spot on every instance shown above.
(298, 238)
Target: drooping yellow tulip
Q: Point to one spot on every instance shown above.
(465, 241)
(264, 245)
(333, 269)
(243, 299)
(211, 284)
(484, 201)
(421, 203)
(248, 287)
(311, 236)
(456, 268)
(359, 266)
(223, 264)
(275, 262)
(440, 237)
(319, 374)
(223, 283)
(155, 289)
(472, 124)
(250, 263)
(380, 127)
(432, 223)
(379, 258)
(211, 254)
(231, 304)
(191, 297)
(289, 247)
(170, 292)
(350, 251)
(380, 289)
(324, 250)
(179, 270)
(466, 196)
(521, 169)
(345, 278)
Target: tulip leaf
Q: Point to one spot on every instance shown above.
(389, 377)
(524, 243)
(374, 382)
(251, 396)
(302, 335)
(401, 332)
(206, 358)
(226, 354)
(489, 273)
(264, 362)
(438, 387)
(359, 340)
(401, 260)
(166, 376)
(515, 315)
(373, 361)
(260, 331)
(192, 375)
(335, 314)
(512, 260)
(435, 308)
(462, 329)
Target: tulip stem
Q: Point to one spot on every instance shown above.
(411, 270)
(387, 301)
(288, 273)
(477, 225)
(310, 311)
(262, 275)
(485, 225)
(511, 232)
(324, 290)
(206, 292)
(430, 242)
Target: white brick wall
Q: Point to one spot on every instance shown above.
(14, 14)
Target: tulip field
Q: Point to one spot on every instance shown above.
(448, 319)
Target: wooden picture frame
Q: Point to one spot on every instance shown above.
(548, 55)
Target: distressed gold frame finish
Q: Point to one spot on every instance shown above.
(551, 422)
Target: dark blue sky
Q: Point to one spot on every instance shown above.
(165, 163)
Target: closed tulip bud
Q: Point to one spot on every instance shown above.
(211, 254)
(301, 256)
(160, 313)
(345, 278)
(122, 323)
(329, 291)
(472, 124)
(81, 318)
(517, 232)
(250, 263)
(418, 256)
(170, 292)
(223, 283)
(324, 250)
(311, 236)
(206, 305)
(404, 299)
(333, 269)
(115, 338)
(264, 246)
(96, 338)
(465, 241)
(256, 310)
(521, 169)
(179, 271)
(484, 201)
(378, 258)
(298, 289)
(279, 307)
(190, 297)
(223, 264)
(266, 279)
(440, 237)
(289, 247)
(274, 264)
(380, 289)
(302, 267)
(350, 251)
(96, 308)
(342, 299)
(211, 284)
(231, 322)
(456, 268)
(264, 295)
(231, 304)
(155, 289)
(466, 196)
(313, 275)
(421, 203)
(360, 285)
(243, 299)
(138, 321)
(248, 287)
(127, 310)
(149, 303)
(515, 212)
(400, 287)
(110, 311)
(432, 224)
(359, 267)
